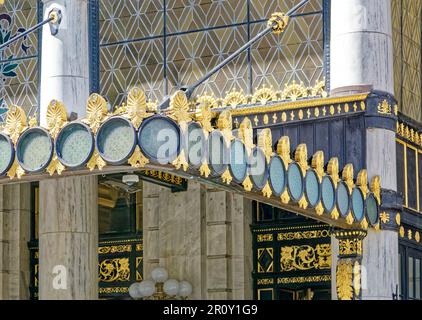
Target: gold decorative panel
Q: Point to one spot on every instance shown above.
(407, 36)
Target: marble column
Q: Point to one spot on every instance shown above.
(361, 45)
(14, 237)
(202, 236)
(362, 58)
(68, 235)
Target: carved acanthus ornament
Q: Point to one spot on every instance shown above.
(136, 107)
(344, 278)
(179, 108)
(362, 182)
(265, 142)
(318, 164)
(225, 124)
(375, 188)
(56, 117)
(96, 112)
(347, 176)
(301, 157)
(96, 161)
(333, 170)
(203, 112)
(16, 123)
(283, 150)
(138, 160)
(245, 134)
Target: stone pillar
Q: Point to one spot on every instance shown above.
(362, 57)
(68, 235)
(14, 237)
(202, 236)
(361, 45)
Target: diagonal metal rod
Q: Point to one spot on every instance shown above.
(190, 89)
(25, 33)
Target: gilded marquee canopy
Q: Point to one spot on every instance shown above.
(202, 142)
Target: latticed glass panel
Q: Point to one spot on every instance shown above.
(407, 36)
(190, 37)
(19, 61)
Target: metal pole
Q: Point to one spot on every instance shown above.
(190, 89)
(54, 16)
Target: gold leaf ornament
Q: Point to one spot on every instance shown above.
(265, 142)
(96, 161)
(96, 111)
(55, 166)
(344, 278)
(16, 123)
(56, 117)
(136, 107)
(138, 160)
(179, 107)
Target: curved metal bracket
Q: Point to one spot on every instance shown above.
(56, 18)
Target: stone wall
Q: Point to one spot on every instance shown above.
(201, 235)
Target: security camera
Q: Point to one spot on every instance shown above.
(130, 179)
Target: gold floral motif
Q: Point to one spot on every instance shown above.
(33, 121)
(203, 112)
(115, 249)
(363, 106)
(319, 209)
(350, 219)
(335, 215)
(318, 164)
(283, 150)
(179, 108)
(246, 134)
(348, 176)
(312, 234)
(264, 95)
(364, 224)
(278, 22)
(15, 171)
(265, 142)
(409, 234)
(234, 98)
(136, 107)
(301, 157)
(375, 188)
(247, 184)
(417, 237)
(55, 166)
(267, 192)
(303, 258)
(264, 237)
(181, 161)
(344, 278)
(285, 197)
(138, 160)
(385, 217)
(333, 170)
(224, 123)
(96, 111)
(303, 203)
(205, 170)
(294, 91)
(15, 123)
(352, 246)
(112, 270)
(311, 279)
(319, 89)
(56, 117)
(384, 108)
(362, 182)
(96, 161)
(227, 177)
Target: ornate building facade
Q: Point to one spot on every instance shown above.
(292, 173)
